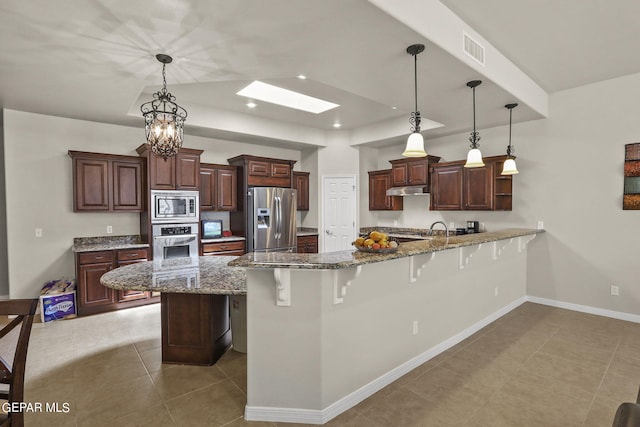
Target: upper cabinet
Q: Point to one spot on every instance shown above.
(411, 171)
(379, 183)
(454, 187)
(106, 182)
(218, 187)
(264, 172)
(301, 184)
(180, 172)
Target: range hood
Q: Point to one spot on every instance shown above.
(411, 190)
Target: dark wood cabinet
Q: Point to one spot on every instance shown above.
(234, 248)
(411, 171)
(107, 182)
(180, 172)
(454, 187)
(301, 184)
(94, 298)
(264, 171)
(307, 244)
(446, 187)
(379, 183)
(127, 185)
(218, 187)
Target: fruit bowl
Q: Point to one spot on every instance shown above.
(375, 242)
(376, 251)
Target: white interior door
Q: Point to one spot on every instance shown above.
(339, 213)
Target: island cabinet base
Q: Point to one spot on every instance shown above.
(195, 328)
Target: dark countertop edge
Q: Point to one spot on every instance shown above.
(354, 258)
(107, 247)
(224, 239)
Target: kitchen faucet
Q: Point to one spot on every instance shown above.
(446, 229)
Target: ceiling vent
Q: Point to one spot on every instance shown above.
(473, 48)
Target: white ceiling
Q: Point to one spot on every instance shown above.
(94, 59)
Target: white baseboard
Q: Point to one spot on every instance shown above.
(309, 416)
(586, 309)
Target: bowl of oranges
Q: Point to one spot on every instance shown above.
(376, 242)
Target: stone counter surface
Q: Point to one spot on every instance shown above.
(351, 258)
(306, 231)
(203, 275)
(107, 243)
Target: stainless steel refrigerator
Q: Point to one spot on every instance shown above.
(271, 219)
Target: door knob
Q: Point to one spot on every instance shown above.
(328, 231)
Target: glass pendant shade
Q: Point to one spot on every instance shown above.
(509, 167)
(415, 146)
(474, 159)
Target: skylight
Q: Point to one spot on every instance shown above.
(286, 98)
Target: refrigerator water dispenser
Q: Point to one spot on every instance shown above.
(263, 216)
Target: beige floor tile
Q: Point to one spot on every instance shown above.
(88, 375)
(518, 345)
(214, 405)
(560, 401)
(150, 416)
(400, 408)
(483, 374)
(232, 363)
(152, 360)
(626, 364)
(590, 338)
(99, 408)
(602, 412)
(45, 419)
(181, 379)
(578, 352)
(619, 387)
(148, 343)
(585, 377)
(241, 422)
(240, 381)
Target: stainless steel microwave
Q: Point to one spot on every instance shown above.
(175, 206)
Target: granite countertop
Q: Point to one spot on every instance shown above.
(224, 239)
(201, 275)
(306, 231)
(351, 258)
(107, 243)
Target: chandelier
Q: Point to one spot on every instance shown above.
(163, 118)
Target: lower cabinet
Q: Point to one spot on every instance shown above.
(235, 248)
(307, 244)
(94, 298)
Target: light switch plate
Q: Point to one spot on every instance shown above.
(38, 232)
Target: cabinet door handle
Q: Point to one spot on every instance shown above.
(132, 255)
(98, 257)
(223, 247)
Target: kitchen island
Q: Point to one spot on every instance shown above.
(325, 331)
(194, 303)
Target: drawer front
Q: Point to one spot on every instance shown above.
(307, 240)
(222, 247)
(132, 254)
(224, 253)
(257, 168)
(96, 257)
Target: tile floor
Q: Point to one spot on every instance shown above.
(536, 366)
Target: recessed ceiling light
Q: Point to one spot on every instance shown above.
(337, 125)
(394, 108)
(286, 98)
(302, 77)
(251, 104)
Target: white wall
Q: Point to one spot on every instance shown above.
(39, 190)
(571, 177)
(4, 268)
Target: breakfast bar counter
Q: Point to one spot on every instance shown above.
(325, 331)
(194, 303)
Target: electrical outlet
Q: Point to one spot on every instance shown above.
(452, 226)
(495, 291)
(540, 225)
(38, 232)
(415, 327)
(615, 290)
(109, 229)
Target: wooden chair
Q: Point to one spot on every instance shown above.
(13, 374)
(628, 414)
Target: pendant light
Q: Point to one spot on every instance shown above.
(509, 167)
(474, 157)
(164, 119)
(415, 142)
